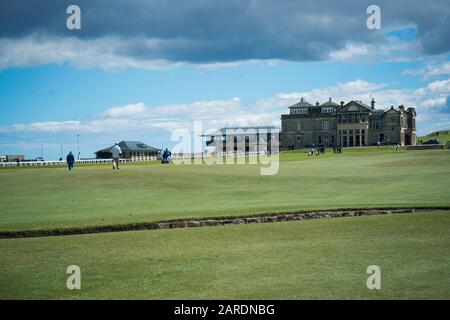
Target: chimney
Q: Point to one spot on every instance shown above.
(401, 107)
(372, 103)
(317, 103)
(342, 103)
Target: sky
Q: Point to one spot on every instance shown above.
(141, 70)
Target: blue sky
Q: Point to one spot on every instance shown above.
(139, 81)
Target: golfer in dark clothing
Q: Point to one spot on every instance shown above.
(70, 160)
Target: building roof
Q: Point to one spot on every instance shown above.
(301, 103)
(248, 128)
(358, 102)
(362, 104)
(378, 112)
(224, 130)
(132, 146)
(329, 103)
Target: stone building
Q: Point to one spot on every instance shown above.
(351, 124)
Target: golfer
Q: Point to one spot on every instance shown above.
(116, 152)
(70, 159)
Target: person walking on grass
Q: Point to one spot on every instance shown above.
(70, 159)
(166, 157)
(116, 152)
(169, 156)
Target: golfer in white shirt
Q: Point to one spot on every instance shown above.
(116, 152)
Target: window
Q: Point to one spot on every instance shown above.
(325, 125)
(328, 110)
(300, 111)
(320, 139)
(299, 126)
(377, 125)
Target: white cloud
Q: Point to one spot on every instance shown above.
(434, 103)
(108, 53)
(430, 70)
(103, 53)
(389, 50)
(129, 110)
(114, 53)
(140, 118)
(358, 86)
(48, 127)
(350, 52)
(440, 86)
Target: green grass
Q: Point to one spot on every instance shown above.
(45, 198)
(316, 259)
(313, 259)
(443, 135)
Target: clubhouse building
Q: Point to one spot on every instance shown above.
(131, 150)
(351, 124)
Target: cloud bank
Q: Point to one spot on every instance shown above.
(154, 34)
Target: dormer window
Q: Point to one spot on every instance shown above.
(300, 111)
(328, 110)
